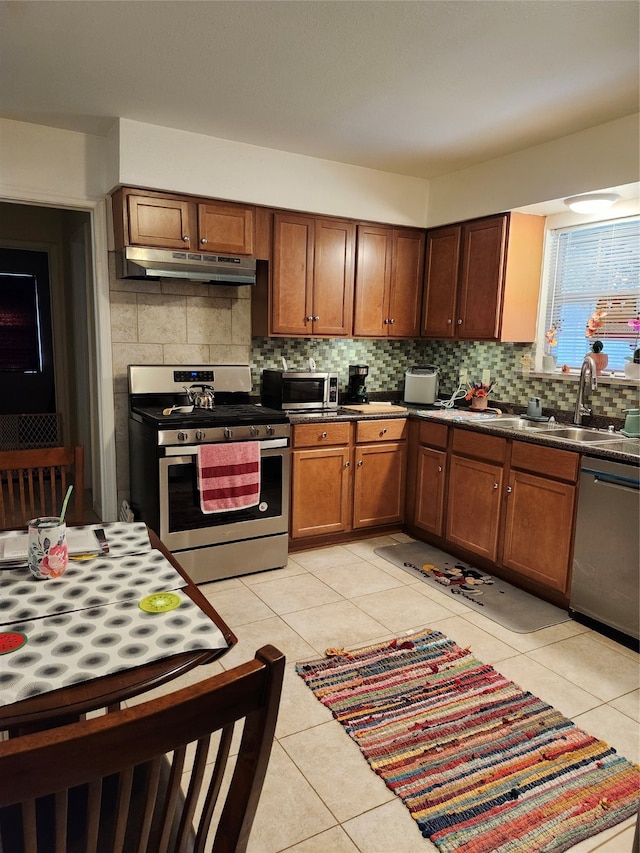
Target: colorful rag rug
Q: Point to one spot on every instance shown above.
(483, 766)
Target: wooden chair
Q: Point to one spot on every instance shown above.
(33, 483)
(113, 783)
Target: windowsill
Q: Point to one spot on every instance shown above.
(606, 378)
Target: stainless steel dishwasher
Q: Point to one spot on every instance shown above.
(606, 564)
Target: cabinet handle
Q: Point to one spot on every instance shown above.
(382, 432)
(459, 322)
(495, 485)
(204, 240)
(385, 322)
(347, 464)
(323, 435)
(309, 319)
(439, 469)
(316, 318)
(449, 321)
(186, 238)
(392, 321)
(359, 463)
(509, 490)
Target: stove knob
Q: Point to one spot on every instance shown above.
(228, 433)
(269, 430)
(182, 436)
(200, 434)
(254, 431)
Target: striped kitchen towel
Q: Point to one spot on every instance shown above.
(228, 476)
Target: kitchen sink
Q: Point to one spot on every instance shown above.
(521, 424)
(582, 435)
(586, 435)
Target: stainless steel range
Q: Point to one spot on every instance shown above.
(163, 464)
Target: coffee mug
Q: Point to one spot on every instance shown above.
(47, 554)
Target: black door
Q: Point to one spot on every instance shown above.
(26, 347)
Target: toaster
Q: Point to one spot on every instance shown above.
(421, 384)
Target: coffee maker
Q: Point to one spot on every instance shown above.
(356, 389)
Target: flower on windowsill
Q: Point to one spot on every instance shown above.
(478, 389)
(551, 338)
(635, 325)
(595, 322)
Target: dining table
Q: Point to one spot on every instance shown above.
(116, 624)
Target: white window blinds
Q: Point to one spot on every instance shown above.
(594, 268)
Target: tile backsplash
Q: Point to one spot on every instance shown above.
(388, 361)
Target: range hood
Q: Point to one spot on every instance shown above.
(133, 262)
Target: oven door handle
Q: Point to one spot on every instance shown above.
(192, 449)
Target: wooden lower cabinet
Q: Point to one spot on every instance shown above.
(430, 483)
(473, 508)
(347, 476)
(511, 503)
(539, 516)
(321, 493)
(378, 484)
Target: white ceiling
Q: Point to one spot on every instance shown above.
(420, 88)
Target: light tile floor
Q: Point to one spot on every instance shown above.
(319, 795)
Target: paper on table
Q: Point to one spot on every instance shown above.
(14, 547)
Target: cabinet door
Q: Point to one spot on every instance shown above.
(482, 277)
(292, 275)
(333, 275)
(407, 274)
(373, 280)
(473, 506)
(162, 223)
(320, 491)
(226, 228)
(538, 529)
(441, 282)
(378, 484)
(430, 482)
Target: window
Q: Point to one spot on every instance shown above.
(594, 268)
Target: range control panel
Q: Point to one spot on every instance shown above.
(193, 375)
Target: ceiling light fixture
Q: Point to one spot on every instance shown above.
(591, 203)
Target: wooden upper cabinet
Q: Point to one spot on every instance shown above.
(407, 274)
(166, 221)
(483, 279)
(226, 228)
(441, 282)
(373, 280)
(161, 222)
(313, 270)
(389, 275)
(292, 274)
(333, 274)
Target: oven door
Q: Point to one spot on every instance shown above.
(183, 525)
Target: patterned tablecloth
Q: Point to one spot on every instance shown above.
(88, 623)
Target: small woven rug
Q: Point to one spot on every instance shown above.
(483, 766)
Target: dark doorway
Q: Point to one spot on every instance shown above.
(27, 379)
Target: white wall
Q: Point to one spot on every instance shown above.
(603, 156)
(163, 158)
(46, 164)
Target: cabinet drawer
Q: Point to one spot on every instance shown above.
(488, 448)
(435, 435)
(559, 464)
(316, 435)
(385, 429)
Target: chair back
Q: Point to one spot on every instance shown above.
(33, 483)
(143, 779)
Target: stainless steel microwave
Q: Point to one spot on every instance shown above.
(299, 391)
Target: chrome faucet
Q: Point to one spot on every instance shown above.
(588, 368)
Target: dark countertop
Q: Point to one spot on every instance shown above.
(622, 450)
